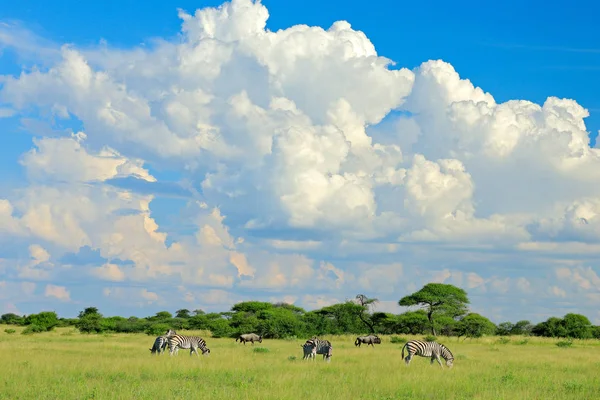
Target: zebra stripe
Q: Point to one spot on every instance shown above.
(315, 346)
(161, 342)
(428, 349)
(188, 342)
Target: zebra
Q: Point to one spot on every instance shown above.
(188, 342)
(369, 340)
(161, 342)
(428, 349)
(315, 346)
(249, 337)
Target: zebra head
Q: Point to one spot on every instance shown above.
(206, 352)
(260, 339)
(450, 362)
(170, 332)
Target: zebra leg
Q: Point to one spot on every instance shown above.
(437, 357)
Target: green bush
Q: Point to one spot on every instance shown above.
(45, 320)
(564, 343)
(398, 339)
(10, 331)
(260, 350)
(157, 329)
(31, 329)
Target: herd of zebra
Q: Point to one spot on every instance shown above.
(311, 347)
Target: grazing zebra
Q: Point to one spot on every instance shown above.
(188, 342)
(368, 340)
(428, 349)
(249, 337)
(315, 346)
(161, 342)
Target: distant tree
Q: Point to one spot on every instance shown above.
(438, 298)
(161, 316)
(474, 325)
(46, 320)
(183, 313)
(412, 322)
(577, 326)
(522, 327)
(505, 329)
(88, 311)
(552, 327)
(251, 306)
(11, 319)
(198, 312)
(90, 321)
(363, 313)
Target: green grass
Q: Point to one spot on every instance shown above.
(67, 365)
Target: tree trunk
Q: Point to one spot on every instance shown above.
(430, 317)
(369, 325)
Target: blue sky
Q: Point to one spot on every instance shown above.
(280, 166)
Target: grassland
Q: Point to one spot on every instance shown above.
(67, 365)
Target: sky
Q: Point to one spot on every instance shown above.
(163, 155)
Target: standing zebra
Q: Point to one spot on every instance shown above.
(161, 342)
(315, 346)
(188, 342)
(369, 340)
(428, 349)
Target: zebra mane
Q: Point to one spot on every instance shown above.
(448, 350)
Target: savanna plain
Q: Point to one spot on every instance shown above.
(64, 364)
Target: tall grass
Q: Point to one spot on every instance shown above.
(74, 366)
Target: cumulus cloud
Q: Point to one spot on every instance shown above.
(309, 164)
(59, 292)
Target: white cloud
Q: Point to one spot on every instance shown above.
(297, 176)
(59, 292)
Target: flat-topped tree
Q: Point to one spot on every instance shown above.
(438, 298)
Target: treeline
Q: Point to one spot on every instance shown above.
(443, 311)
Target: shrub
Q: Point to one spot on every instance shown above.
(292, 358)
(565, 343)
(260, 350)
(398, 339)
(31, 329)
(156, 329)
(523, 342)
(10, 331)
(430, 338)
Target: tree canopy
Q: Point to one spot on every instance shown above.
(438, 298)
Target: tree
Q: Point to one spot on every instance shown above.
(183, 313)
(363, 312)
(90, 321)
(474, 325)
(523, 327)
(46, 320)
(438, 298)
(412, 322)
(577, 326)
(505, 329)
(88, 311)
(11, 319)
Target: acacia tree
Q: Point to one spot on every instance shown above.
(363, 313)
(438, 298)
